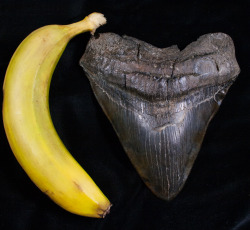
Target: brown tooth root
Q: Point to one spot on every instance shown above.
(160, 101)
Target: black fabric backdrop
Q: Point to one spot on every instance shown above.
(217, 192)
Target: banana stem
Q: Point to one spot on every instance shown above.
(89, 23)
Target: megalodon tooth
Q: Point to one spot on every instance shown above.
(160, 101)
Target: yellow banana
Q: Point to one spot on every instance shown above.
(28, 125)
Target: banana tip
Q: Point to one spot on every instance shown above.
(107, 211)
(96, 19)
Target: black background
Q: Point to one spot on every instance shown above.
(217, 192)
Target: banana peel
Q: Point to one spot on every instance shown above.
(28, 125)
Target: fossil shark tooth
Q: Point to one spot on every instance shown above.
(160, 101)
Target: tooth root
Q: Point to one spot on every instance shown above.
(160, 118)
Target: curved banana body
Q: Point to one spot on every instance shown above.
(28, 125)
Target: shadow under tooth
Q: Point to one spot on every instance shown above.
(160, 105)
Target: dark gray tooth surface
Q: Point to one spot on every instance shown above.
(160, 101)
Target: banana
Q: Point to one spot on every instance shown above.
(28, 125)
